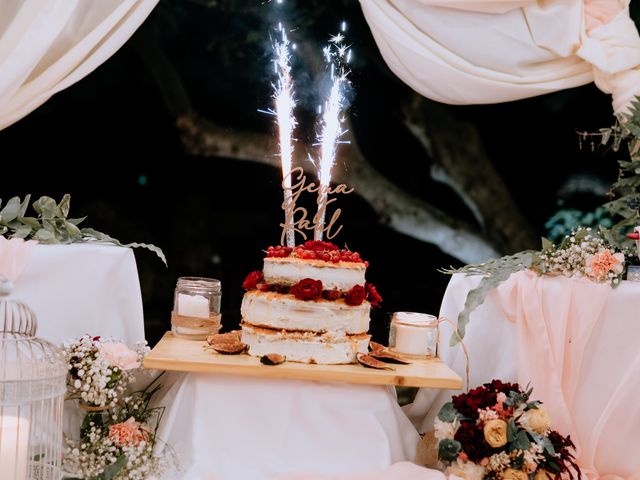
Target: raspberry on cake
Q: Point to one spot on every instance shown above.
(310, 303)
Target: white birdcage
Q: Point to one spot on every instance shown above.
(32, 388)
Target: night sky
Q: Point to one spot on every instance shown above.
(111, 142)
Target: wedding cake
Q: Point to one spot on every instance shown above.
(310, 304)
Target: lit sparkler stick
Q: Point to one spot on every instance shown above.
(330, 137)
(284, 106)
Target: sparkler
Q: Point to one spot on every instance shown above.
(331, 126)
(284, 106)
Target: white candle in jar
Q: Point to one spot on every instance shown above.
(14, 447)
(415, 333)
(193, 306)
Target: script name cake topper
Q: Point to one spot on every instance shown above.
(296, 218)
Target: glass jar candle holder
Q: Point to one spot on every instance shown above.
(196, 308)
(633, 273)
(413, 334)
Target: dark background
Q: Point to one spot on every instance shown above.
(111, 142)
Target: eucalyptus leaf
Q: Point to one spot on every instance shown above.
(45, 206)
(64, 205)
(30, 221)
(10, 210)
(24, 205)
(447, 413)
(44, 236)
(22, 232)
(520, 442)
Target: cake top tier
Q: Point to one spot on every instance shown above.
(317, 250)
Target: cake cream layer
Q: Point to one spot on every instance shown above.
(304, 347)
(275, 310)
(290, 270)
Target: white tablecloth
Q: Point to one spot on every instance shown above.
(83, 288)
(597, 382)
(230, 428)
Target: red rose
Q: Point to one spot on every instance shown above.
(373, 296)
(307, 289)
(319, 246)
(334, 294)
(252, 280)
(355, 296)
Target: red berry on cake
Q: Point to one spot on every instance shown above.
(373, 297)
(307, 289)
(252, 280)
(355, 296)
(319, 246)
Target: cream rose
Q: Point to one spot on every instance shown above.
(537, 420)
(495, 433)
(512, 474)
(543, 474)
(119, 354)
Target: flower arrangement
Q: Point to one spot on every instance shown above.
(583, 253)
(100, 369)
(118, 432)
(496, 432)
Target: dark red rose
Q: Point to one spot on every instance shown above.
(503, 387)
(252, 280)
(471, 437)
(307, 289)
(355, 296)
(319, 246)
(468, 404)
(334, 294)
(373, 296)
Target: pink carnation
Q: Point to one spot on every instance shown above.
(128, 433)
(600, 264)
(119, 354)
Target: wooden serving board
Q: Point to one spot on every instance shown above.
(173, 353)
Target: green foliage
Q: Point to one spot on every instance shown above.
(564, 221)
(493, 273)
(51, 224)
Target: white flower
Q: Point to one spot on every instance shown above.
(445, 430)
(466, 470)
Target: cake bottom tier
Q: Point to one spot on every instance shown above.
(304, 347)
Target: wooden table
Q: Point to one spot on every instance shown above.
(173, 353)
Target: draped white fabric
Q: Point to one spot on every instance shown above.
(48, 45)
(466, 52)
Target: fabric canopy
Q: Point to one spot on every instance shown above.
(489, 51)
(48, 45)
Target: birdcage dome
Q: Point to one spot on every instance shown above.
(23, 356)
(32, 387)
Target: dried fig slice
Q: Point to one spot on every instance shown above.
(230, 337)
(389, 357)
(368, 361)
(229, 348)
(272, 359)
(376, 347)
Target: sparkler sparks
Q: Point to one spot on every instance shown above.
(284, 106)
(331, 125)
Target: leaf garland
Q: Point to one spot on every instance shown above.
(51, 224)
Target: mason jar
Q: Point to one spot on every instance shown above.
(196, 308)
(414, 334)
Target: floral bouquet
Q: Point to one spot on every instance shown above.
(118, 431)
(496, 432)
(584, 253)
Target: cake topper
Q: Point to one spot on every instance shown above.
(296, 218)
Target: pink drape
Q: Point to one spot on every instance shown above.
(556, 321)
(14, 255)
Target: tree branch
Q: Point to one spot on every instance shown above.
(462, 163)
(395, 208)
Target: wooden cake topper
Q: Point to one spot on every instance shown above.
(296, 218)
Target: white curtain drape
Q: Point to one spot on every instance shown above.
(48, 45)
(489, 51)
